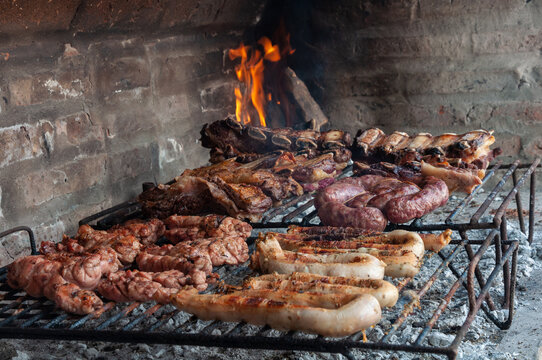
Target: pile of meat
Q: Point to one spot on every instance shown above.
(228, 139)
(459, 160)
(125, 264)
(245, 190)
(322, 280)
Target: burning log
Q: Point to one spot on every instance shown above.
(312, 113)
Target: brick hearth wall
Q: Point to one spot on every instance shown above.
(85, 119)
(430, 65)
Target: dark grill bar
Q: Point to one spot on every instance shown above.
(24, 317)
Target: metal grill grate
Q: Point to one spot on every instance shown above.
(24, 317)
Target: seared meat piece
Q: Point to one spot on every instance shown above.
(126, 240)
(197, 268)
(228, 138)
(126, 247)
(181, 228)
(61, 277)
(191, 195)
(134, 285)
(249, 199)
(147, 232)
(231, 250)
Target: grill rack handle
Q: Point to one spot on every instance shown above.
(31, 238)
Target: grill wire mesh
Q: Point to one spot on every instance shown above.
(451, 276)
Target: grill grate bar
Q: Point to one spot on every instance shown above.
(519, 205)
(298, 211)
(163, 319)
(95, 315)
(141, 317)
(500, 211)
(128, 309)
(195, 332)
(57, 320)
(292, 202)
(482, 209)
(10, 319)
(466, 200)
(420, 293)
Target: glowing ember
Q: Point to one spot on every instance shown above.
(251, 73)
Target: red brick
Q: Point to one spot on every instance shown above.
(432, 9)
(40, 186)
(21, 91)
(130, 164)
(218, 97)
(36, 15)
(415, 46)
(69, 84)
(525, 113)
(534, 148)
(354, 85)
(510, 42)
(509, 144)
(77, 129)
(115, 77)
(211, 12)
(23, 142)
(174, 74)
(457, 82)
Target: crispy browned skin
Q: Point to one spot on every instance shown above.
(233, 138)
(373, 145)
(196, 268)
(369, 201)
(385, 292)
(320, 313)
(402, 251)
(433, 242)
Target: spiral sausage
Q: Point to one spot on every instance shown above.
(369, 201)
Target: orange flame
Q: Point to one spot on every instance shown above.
(251, 73)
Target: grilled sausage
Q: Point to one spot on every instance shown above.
(285, 310)
(385, 292)
(405, 208)
(270, 257)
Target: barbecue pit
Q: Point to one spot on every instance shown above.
(25, 317)
(98, 97)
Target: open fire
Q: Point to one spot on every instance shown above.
(251, 102)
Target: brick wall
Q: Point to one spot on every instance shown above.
(429, 65)
(87, 114)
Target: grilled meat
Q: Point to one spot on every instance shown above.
(191, 195)
(134, 285)
(231, 250)
(385, 292)
(182, 228)
(402, 251)
(229, 138)
(270, 257)
(433, 242)
(126, 240)
(320, 313)
(64, 278)
(373, 145)
(369, 201)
